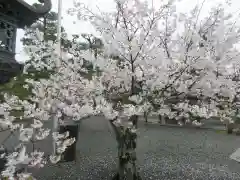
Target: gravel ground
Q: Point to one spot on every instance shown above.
(176, 153)
(164, 153)
(207, 124)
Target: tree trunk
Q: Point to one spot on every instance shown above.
(126, 140)
(163, 120)
(145, 115)
(45, 28)
(159, 118)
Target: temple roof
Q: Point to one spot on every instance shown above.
(24, 13)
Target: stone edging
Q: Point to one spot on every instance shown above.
(185, 126)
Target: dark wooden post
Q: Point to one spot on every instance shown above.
(70, 153)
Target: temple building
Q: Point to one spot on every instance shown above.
(16, 14)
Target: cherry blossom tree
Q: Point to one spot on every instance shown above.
(64, 95)
(147, 65)
(151, 65)
(202, 83)
(131, 50)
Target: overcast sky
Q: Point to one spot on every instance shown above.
(106, 5)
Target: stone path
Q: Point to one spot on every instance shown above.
(164, 153)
